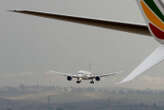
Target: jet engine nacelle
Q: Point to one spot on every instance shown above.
(69, 78)
(97, 78)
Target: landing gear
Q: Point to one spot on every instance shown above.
(78, 82)
(92, 82)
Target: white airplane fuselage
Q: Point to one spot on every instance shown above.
(84, 75)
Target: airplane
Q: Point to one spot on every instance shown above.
(84, 75)
(153, 12)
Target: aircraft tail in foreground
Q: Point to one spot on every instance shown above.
(153, 11)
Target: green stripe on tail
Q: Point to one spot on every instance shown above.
(155, 9)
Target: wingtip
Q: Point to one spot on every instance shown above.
(118, 72)
(15, 11)
(12, 10)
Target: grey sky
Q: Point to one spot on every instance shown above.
(36, 45)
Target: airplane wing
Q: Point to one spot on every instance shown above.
(110, 24)
(107, 74)
(63, 74)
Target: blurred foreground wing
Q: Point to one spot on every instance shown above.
(115, 25)
(156, 57)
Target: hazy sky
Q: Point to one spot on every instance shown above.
(30, 46)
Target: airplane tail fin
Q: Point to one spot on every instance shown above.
(156, 57)
(153, 12)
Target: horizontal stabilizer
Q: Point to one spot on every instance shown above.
(110, 24)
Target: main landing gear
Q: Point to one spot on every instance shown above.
(92, 82)
(78, 82)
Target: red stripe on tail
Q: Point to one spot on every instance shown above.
(157, 32)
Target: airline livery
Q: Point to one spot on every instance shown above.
(154, 17)
(153, 12)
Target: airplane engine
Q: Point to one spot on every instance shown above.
(97, 78)
(69, 78)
